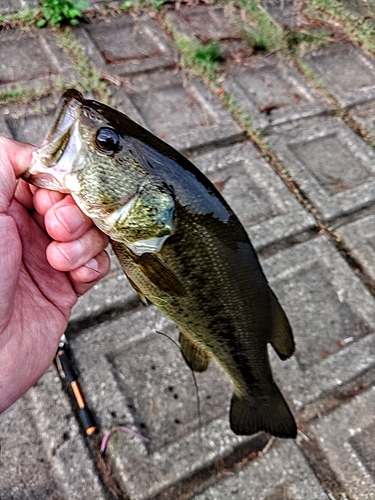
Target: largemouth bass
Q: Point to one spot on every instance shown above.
(181, 247)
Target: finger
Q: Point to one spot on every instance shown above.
(44, 199)
(18, 153)
(65, 221)
(84, 277)
(23, 194)
(39, 219)
(66, 256)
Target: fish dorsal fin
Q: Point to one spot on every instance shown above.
(159, 274)
(282, 337)
(196, 358)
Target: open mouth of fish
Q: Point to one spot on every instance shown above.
(55, 158)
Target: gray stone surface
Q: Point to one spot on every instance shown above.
(271, 91)
(29, 122)
(4, 129)
(348, 72)
(359, 238)
(10, 6)
(263, 203)
(207, 23)
(332, 315)
(32, 59)
(137, 378)
(346, 436)
(333, 166)
(360, 7)
(286, 12)
(365, 115)
(126, 45)
(43, 454)
(182, 112)
(280, 474)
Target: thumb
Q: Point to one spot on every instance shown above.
(15, 158)
(11, 255)
(18, 154)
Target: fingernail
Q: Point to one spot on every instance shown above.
(70, 217)
(72, 251)
(93, 265)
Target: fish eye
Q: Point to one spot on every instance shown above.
(107, 140)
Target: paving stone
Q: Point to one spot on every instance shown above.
(348, 72)
(263, 203)
(332, 316)
(29, 122)
(346, 435)
(360, 7)
(43, 455)
(126, 45)
(181, 112)
(365, 114)
(32, 59)
(137, 378)
(271, 91)
(10, 6)
(286, 12)
(280, 474)
(211, 23)
(4, 129)
(333, 166)
(359, 238)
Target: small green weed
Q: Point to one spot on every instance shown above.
(199, 59)
(57, 12)
(204, 58)
(126, 5)
(261, 31)
(156, 4)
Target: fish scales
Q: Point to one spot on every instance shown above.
(181, 247)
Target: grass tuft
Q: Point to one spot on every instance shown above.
(89, 77)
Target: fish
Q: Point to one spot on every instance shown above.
(181, 247)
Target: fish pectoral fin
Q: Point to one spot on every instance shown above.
(159, 274)
(282, 337)
(195, 356)
(142, 297)
(268, 412)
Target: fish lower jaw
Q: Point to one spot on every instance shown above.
(45, 181)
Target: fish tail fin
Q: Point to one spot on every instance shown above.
(269, 413)
(282, 337)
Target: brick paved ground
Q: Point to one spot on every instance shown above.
(308, 204)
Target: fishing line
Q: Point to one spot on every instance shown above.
(194, 379)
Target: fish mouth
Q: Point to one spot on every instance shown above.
(61, 146)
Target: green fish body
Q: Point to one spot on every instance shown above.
(181, 247)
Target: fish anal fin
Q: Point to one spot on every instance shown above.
(248, 415)
(195, 356)
(282, 337)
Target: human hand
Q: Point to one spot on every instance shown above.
(50, 254)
